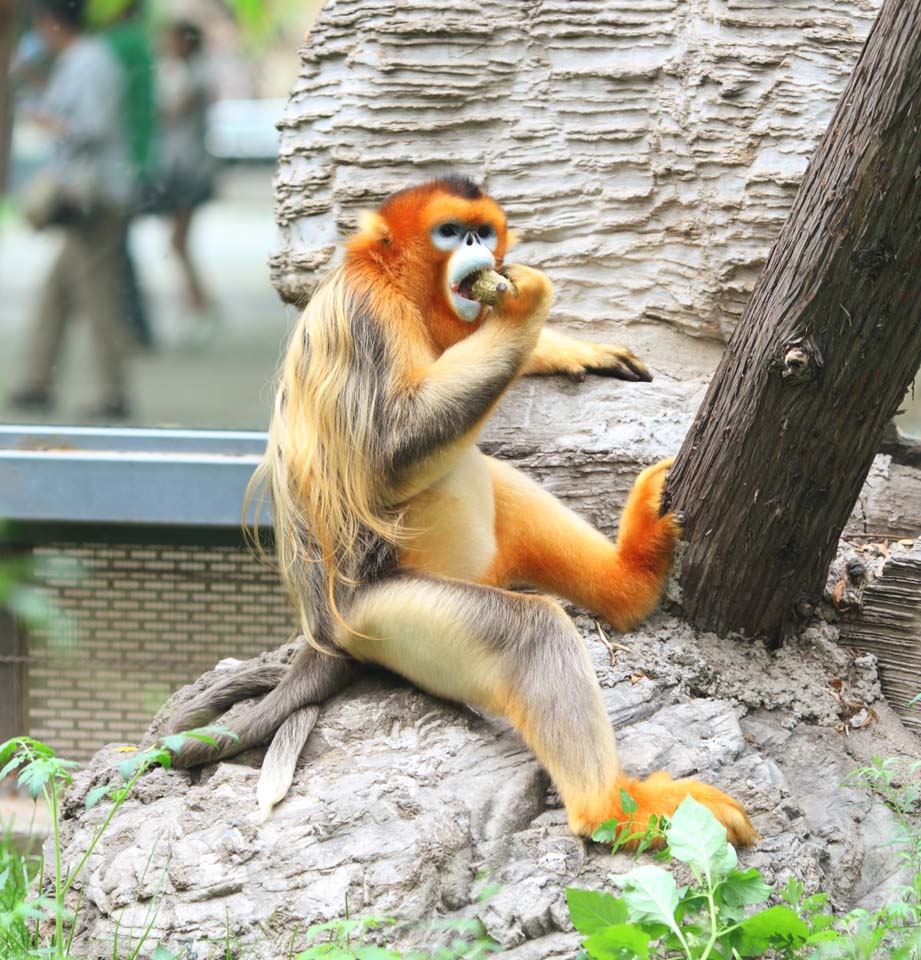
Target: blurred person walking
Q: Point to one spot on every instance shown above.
(128, 37)
(186, 170)
(86, 190)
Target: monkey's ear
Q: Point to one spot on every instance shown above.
(511, 239)
(372, 225)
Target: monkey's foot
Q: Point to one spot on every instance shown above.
(648, 533)
(645, 546)
(659, 795)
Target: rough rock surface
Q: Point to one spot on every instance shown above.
(405, 806)
(401, 802)
(647, 152)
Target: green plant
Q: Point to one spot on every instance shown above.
(24, 909)
(18, 595)
(715, 917)
(653, 917)
(348, 939)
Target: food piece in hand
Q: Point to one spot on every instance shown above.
(488, 286)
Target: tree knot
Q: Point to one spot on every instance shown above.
(802, 361)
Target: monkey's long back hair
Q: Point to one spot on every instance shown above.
(323, 465)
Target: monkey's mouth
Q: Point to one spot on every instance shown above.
(462, 270)
(462, 288)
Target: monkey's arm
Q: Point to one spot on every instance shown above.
(443, 403)
(557, 352)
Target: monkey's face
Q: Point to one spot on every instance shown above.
(468, 245)
(432, 240)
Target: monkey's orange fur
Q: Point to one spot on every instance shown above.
(658, 793)
(543, 544)
(389, 245)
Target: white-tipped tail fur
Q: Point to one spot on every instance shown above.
(281, 758)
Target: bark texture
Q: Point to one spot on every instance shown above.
(774, 463)
(888, 625)
(647, 153)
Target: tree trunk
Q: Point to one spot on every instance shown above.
(7, 42)
(831, 337)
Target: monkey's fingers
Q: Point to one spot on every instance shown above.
(220, 696)
(609, 360)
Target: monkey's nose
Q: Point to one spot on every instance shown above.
(471, 238)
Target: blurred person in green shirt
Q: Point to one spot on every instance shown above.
(128, 37)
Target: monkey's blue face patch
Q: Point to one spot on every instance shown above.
(463, 266)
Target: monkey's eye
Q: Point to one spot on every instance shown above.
(487, 234)
(446, 236)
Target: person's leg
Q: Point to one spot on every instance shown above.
(97, 281)
(195, 291)
(134, 304)
(55, 307)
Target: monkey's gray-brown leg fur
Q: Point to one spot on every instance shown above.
(214, 700)
(312, 678)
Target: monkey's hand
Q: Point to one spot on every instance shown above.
(527, 299)
(557, 352)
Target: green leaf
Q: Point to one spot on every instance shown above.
(95, 795)
(696, 837)
(376, 953)
(609, 944)
(650, 894)
(127, 767)
(776, 926)
(741, 889)
(627, 803)
(606, 832)
(18, 760)
(592, 910)
(161, 953)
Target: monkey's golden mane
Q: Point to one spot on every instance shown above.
(322, 467)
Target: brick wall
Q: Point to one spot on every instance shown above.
(133, 624)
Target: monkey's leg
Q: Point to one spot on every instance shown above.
(520, 656)
(544, 544)
(312, 678)
(557, 352)
(223, 694)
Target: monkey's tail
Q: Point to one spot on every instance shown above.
(281, 758)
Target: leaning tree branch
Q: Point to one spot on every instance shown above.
(831, 337)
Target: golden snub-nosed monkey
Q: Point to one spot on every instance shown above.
(398, 540)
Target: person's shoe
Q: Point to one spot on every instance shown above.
(30, 400)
